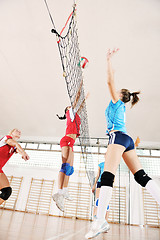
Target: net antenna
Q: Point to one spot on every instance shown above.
(72, 72)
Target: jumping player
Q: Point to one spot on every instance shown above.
(67, 143)
(120, 145)
(8, 146)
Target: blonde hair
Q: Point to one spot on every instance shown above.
(10, 133)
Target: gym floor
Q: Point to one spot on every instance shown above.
(27, 226)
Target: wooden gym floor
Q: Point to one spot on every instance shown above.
(27, 226)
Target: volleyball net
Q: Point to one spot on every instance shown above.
(68, 46)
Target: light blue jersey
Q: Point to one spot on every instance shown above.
(115, 116)
(101, 165)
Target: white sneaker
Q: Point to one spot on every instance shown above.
(98, 226)
(59, 200)
(67, 196)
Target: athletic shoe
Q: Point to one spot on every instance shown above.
(94, 218)
(59, 200)
(67, 196)
(98, 226)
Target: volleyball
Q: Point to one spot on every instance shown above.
(83, 62)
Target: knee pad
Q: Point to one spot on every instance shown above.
(63, 168)
(107, 179)
(141, 177)
(72, 170)
(5, 193)
(67, 169)
(96, 202)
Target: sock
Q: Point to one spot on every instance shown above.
(65, 189)
(104, 198)
(60, 191)
(153, 188)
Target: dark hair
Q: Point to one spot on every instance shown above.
(126, 96)
(64, 117)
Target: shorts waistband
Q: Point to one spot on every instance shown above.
(118, 132)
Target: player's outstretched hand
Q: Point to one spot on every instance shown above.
(93, 189)
(87, 95)
(25, 156)
(110, 52)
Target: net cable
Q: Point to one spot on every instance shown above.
(68, 46)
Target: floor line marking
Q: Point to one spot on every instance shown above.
(75, 233)
(60, 235)
(63, 234)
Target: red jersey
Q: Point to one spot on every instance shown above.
(73, 125)
(6, 151)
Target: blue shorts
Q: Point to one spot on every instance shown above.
(98, 184)
(123, 139)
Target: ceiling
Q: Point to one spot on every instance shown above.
(33, 89)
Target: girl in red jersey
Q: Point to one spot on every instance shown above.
(8, 146)
(67, 143)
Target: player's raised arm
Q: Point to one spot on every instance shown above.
(110, 76)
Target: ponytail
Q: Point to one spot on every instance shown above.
(127, 96)
(61, 118)
(64, 117)
(135, 98)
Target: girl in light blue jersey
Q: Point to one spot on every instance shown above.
(120, 146)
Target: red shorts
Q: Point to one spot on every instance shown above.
(67, 141)
(1, 171)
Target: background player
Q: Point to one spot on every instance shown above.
(9, 146)
(96, 189)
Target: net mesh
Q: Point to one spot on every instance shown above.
(72, 72)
